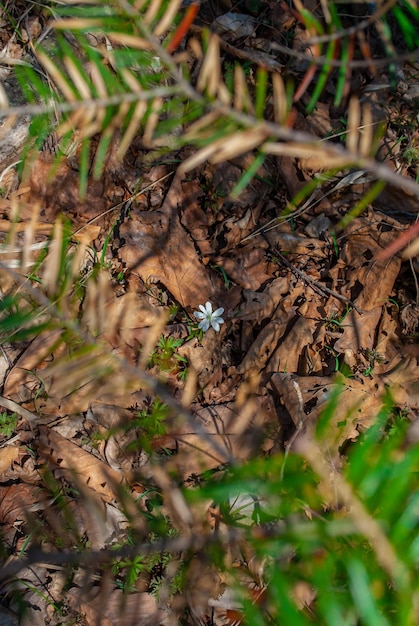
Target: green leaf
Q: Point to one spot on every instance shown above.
(342, 73)
(247, 176)
(261, 90)
(369, 197)
(364, 600)
(323, 77)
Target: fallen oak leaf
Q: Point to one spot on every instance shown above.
(157, 247)
(78, 464)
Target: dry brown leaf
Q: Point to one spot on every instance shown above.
(25, 378)
(18, 463)
(206, 359)
(246, 266)
(365, 237)
(403, 381)
(159, 250)
(78, 465)
(17, 500)
(108, 606)
(297, 244)
(46, 380)
(8, 455)
(228, 433)
(289, 353)
(359, 330)
(98, 522)
(234, 25)
(260, 305)
(108, 315)
(306, 397)
(266, 342)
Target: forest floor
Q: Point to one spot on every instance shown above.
(309, 306)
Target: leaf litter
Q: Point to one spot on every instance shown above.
(336, 314)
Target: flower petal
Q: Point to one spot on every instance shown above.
(204, 325)
(218, 312)
(208, 307)
(199, 315)
(215, 325)
(203, 309)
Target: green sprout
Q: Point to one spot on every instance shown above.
(8, 423)
(165, 357)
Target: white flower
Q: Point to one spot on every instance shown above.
(209, 317)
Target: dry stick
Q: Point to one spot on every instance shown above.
(191, 542)
(274, 130)
(352, 30)
(263, 60)
(272, 64)
(183, 87)
(316, 286)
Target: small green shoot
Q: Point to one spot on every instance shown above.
(151, 422)
(127, 572)
(335, 321)
(165, 357)
(411, 156)
(8, 423)
(373, 357)
(226, 279)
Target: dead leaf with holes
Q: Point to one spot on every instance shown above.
(367, 281)
(371, 280)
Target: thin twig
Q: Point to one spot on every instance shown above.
(314, 284)
(193, 542)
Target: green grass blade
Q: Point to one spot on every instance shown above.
(248, 175)
(322, 80)
(369, 197)
(364, 600)
(261, 89)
